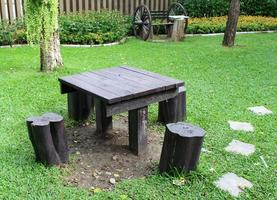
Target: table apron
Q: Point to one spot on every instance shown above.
(123, 106)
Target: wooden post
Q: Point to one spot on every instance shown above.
(80, 105)
(151, 35)
(138, 130)
(48, 138)
(178, 30)
(103, 123)
(169, 29)
(181, 147)
(58, 135)
(29, 121)
(173, 110)
(182, 107)
(44, 143)
(168, 111)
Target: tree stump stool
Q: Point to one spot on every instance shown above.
(178, 32)
(80, 105)
(181, 147)
(48, 139)
(173, 110)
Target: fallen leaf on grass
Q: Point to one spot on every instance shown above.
(95, 190)
(179, 182)
(123, 197)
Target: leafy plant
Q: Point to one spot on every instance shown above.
(217, 24)
(94, 27)
(214, 8)
(40, 17)
(12, 32)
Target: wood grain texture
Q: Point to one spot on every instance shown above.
(67, 6)
(168, 111)
(44, 142)
(138, 130)
(103, 122)
(124, 106)
(181, 147)
(9, 11)
(178, 32)
(58, 135)
(80, 105)
(119, 83)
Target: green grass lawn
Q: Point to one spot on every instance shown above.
(221, 84)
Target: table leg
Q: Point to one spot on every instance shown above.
(173, 110)
(182, 104)
(80, 105)
(103, 123)
(138, 130)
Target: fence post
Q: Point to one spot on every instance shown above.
(12, 9)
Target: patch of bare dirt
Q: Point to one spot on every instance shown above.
(99, 162)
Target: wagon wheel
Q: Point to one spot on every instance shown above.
(177, 9)
(142, 22)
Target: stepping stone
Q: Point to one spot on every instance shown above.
(241, 126)
(239, 147)
(260, 110)
(233, 184)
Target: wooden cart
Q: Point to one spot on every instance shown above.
(144, 19)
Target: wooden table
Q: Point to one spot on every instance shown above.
(120, 89)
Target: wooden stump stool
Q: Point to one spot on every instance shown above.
(181, 147)
(48, 139)
(80, 105)
(178, 32)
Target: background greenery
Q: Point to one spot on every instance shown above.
(93, 27)
(79, 28)
(221, 83)
(218, 24)
(104, 27)
(215, 8)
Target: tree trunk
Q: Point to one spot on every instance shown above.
(231, 25)
(50, 54)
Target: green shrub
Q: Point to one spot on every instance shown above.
(11, 33)
(217, 24)
(81, 28)
(93, 27)
(213, 8)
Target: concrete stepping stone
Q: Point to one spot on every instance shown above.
(241, 126)
(239, 147)
(260, 110)
(233, 184)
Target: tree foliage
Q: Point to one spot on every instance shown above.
(41, 19)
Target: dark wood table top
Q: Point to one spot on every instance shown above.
(120, 83)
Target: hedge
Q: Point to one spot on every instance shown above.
(214, 8)
(217, 24)
(81, 28)
(93, 27)
(99, 28)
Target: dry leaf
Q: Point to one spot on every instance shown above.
(179, 182)
(112, 181)
(95, 190)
